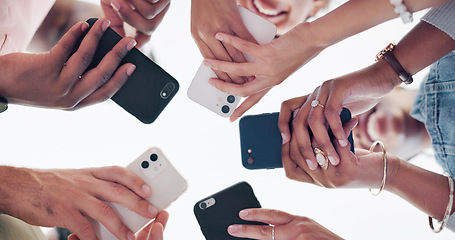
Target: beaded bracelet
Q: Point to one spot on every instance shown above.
(401, 9)
(384, 157)
(448, 208)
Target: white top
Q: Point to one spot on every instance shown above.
(19, 20)
(442, 17)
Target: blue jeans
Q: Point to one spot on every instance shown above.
(435, 107)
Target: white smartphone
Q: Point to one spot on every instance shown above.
(201, 92)
(165, 181)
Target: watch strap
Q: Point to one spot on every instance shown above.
(387, 54)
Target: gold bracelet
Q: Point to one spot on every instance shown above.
(448, 208)
(384, 157)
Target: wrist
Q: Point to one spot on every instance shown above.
(386, 75)
(393, 173)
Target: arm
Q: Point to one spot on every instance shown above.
(66, 198)
(274, 62)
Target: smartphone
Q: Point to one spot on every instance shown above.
(260, 140)
(217, 212)
(224, 104)
(165, 181)
(148, 90)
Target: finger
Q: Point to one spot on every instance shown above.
(269, 216)
(81, 227)
(99, 76)
(162, 218)
(332, 113)
(293, 171)
(73, 237)
(239, 69)
(243, 90)
(301, 141)
(251, 231)
(156, 233)
(287, 108)
(221, 54)
(123, 176)
(82, 58)
(108, 90)
(64, 47)
(103, 213)
(111, 13)
(247, 104)
(141, 38)
(149, 10)
(242, 45)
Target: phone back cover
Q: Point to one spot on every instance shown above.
(260, 141)
(141, 94)
(215, 220)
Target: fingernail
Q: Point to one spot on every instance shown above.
(130, 71)
(131, 44)
(155, 1)
(211, 82)
(251, 78)
(296, 111)
(285, 138)
(105, 25)
(207, 64)
(219, 36)
(146, 189)
(130, 236)
(233, 228)
(153, 210)
(320, 158)
(332, 160)
(116, 6)
(311, 165)
(84, 27)
(342, 143)
(244, 213)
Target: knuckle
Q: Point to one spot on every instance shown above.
(105, 210)
(119, 189)
(264, 230)
(86, 59)
(104, 77)
(86, 229)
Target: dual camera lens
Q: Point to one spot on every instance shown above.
(146, 164)
(226, 108)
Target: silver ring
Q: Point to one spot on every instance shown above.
(316, 103)
(273, 232)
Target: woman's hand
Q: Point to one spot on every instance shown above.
(272, 64)
(56, 79)
(286, 226)
(143, 15)
(211, 16)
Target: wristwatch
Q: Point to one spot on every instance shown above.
(387, 54)
(3, 104)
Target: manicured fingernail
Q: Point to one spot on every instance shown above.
(211, 82)
(219, 36)
(146, 189)
(285, 138)
(296, 111)
(342, 143)
(207, 64)
(131, 236)
(233, 228)
(153, 210)
(131, 44)
(130, 71)
(332, 160)
(105, 25)
(116, 6)
(244, 213)
(320, 158)
(311, 164)
(155, 1)
(84, 27)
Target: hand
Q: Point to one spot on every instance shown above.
(143, 15)
(272, 64)
(211, 16)
(56, 80)
(358, 91)
(66, 198)
(153, 231)
(287, 226)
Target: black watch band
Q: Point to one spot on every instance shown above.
(3, 104)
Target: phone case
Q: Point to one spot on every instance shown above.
(148, 90)
(201, 92)
(260, 140)
(222, 210)
(165, 181)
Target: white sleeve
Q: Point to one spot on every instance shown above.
(442, 17)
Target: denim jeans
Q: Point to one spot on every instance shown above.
(435, 107)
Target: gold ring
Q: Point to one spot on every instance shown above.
(316, 103)
(273, 232)
(321, 158)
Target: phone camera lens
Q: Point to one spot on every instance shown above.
(145, 164)
(203, 205)
(153, 157)
(225, 109)
(231, 99)
(250, 161)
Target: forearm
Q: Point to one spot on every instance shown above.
(424, 189)
(356, 16)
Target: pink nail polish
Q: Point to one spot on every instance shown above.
(342, 143)
(116, 6)
(311, 165)
(130, 71)
(219, 36)
(131, 44)
(285, 138)
(105, 25)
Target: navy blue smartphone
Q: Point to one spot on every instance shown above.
(260, 140)
(148, 90)
(217, 212)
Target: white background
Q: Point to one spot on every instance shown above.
(205, 148)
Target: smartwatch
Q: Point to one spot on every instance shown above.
(3, 104)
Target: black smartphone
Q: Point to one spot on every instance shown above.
(220, 210)
(148, 90)
(260, 140)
